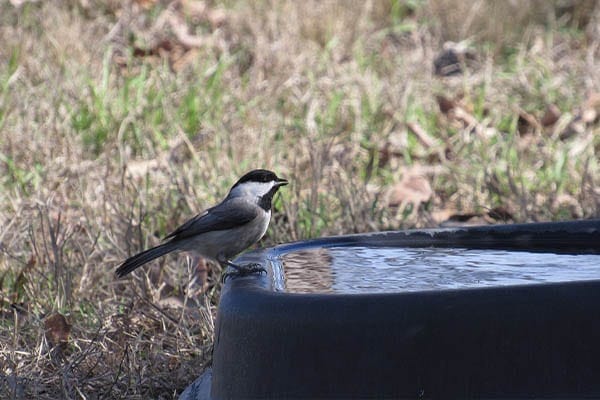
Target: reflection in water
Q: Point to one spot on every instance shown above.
(308, 271)
(386, 269)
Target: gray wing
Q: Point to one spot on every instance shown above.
(227, 215)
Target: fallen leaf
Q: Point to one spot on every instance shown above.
(57, 329)
(413, 189)
(445, 104)
(500, 213)
(551, 116)
(200, 278)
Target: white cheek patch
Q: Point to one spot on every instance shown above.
(252, 189)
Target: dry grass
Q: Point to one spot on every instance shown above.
(120, 120)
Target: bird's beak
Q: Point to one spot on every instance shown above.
(281, 182)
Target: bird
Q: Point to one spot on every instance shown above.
(223, 231)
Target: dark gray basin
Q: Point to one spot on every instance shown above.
(490, 337)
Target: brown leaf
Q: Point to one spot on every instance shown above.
(551, 116)
(460, 114)
(413, 189)
(500, 213)
(385, 153)
(201, 275)
(57, 329)
(445, 104)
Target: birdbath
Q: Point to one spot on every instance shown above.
(494, 311)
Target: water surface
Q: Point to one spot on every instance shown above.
(393, 269)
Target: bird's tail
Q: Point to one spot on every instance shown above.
(142, 258)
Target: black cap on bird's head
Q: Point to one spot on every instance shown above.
(261, 176)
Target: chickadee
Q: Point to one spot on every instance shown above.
(225, 230)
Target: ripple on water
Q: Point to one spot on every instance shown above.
(393, 269)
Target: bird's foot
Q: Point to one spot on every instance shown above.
(245, 270)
